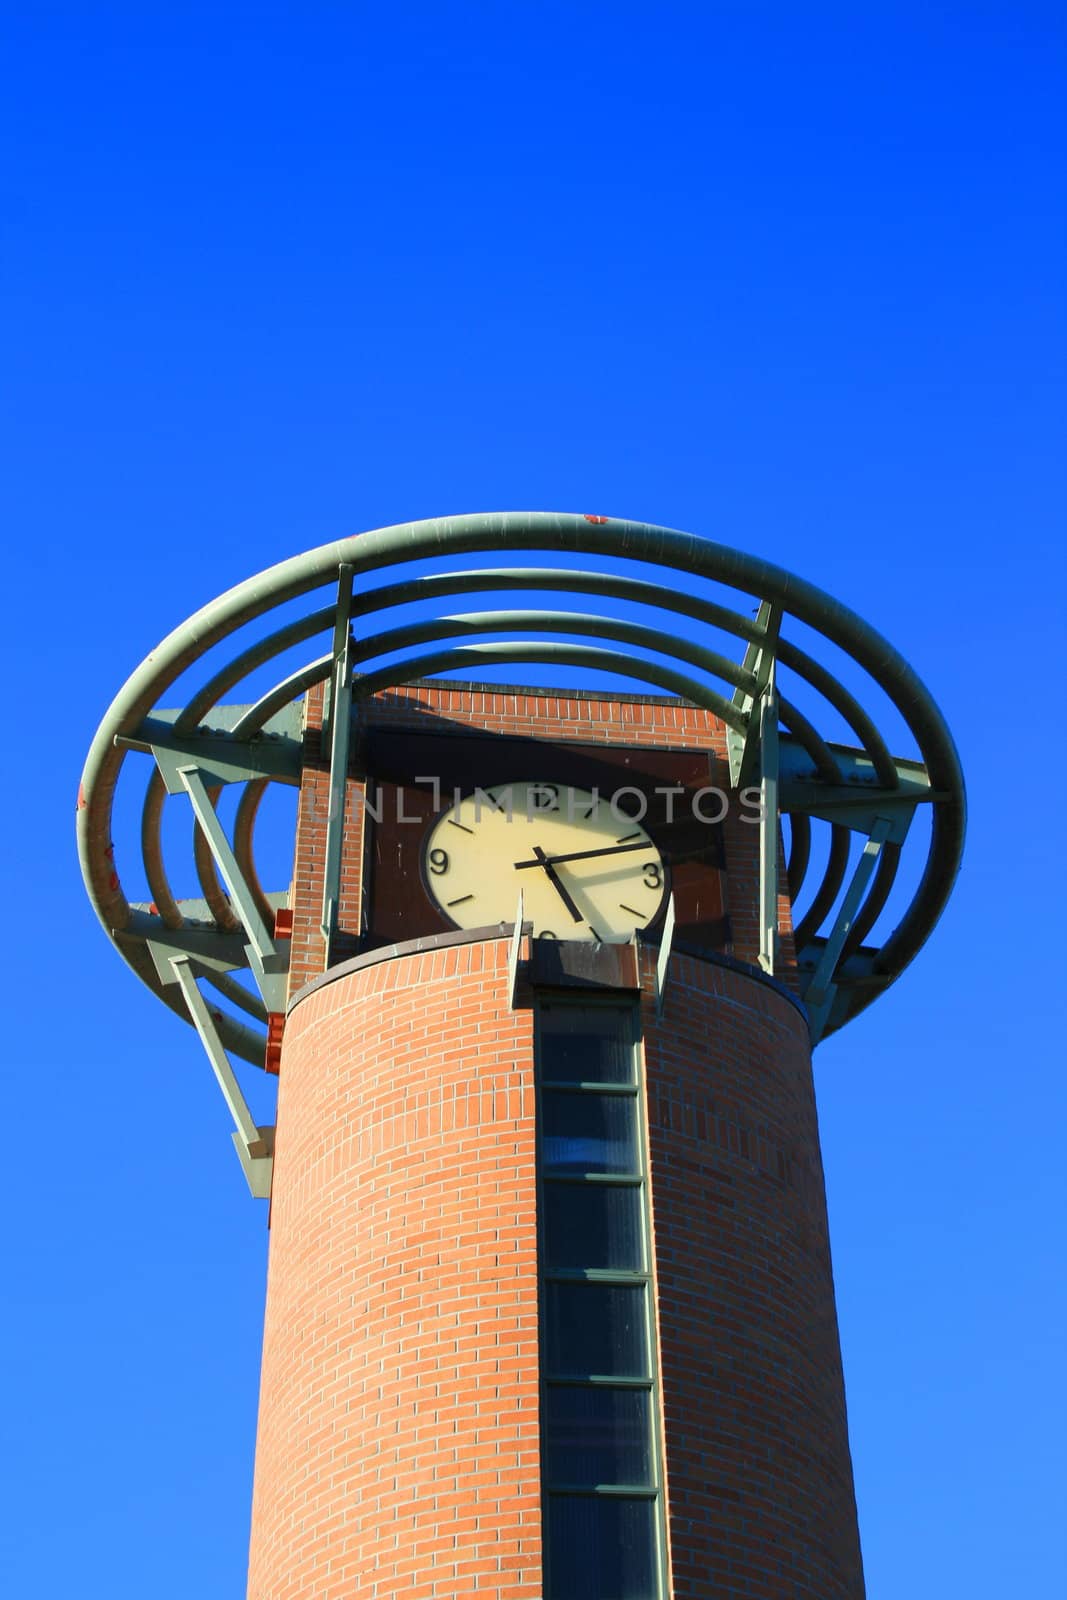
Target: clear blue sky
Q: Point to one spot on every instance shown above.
(788, 276)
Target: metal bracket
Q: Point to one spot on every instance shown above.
(340, 729)
(859, 799)
(267, 961)
(275, 752)
(663, 959)
(759, 661)
(820, 991)
(254, 1145)
(856, 983)
(198, 937)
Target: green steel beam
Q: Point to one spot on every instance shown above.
(819, 992)
(268, 963)
(210, 950)
(221, 757)
(201, 1019)
(340, 727)
(856, 982)
(758, 664)
(767, 736)
(255, 1145)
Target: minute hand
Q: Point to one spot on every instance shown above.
(586, 855)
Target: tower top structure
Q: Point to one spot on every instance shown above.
(546, 1166)
(796, 677)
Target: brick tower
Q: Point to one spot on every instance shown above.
(550, 1309)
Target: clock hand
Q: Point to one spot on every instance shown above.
(556, 882)
(584, 855)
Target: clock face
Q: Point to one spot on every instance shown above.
(585, 871)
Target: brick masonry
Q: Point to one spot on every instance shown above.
(759, 1477)
(398, 1442)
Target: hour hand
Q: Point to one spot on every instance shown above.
(557, 883)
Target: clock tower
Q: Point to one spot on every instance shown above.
(550, 1310)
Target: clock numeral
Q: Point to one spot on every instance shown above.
(653, 875)
(438, 860)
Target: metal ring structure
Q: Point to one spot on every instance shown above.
(855, 790)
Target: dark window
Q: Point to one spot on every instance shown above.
(601, 1547)
(588, 1132)
(582, 1045)
(599, 1437)
(596, 1328)
(593, 1225)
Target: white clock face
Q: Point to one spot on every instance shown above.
(585, 871)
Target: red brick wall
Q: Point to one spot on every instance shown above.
(759, 1477)
(398, 1438)
(398, 1444)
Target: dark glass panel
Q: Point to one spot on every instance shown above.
(587, 1044)
(597, 1435)
(593, 1225)
(596, 1329)
(589, 1132)
(601, 1548)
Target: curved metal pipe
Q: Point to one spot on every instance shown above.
(829, 888)
(370, 552)
(238, 994)
(243, 827)
(152, 852)
(534, 652)
(877, 895)
(572, 622)
(799, 853)
(816, 746)
(846, 706)
(257, 654)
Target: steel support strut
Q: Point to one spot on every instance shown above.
(768, 823)
(254, 1145)
(269, 964)
(759, 661)
(819, 995)
(340, 727)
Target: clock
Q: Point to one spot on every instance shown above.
(586, 870)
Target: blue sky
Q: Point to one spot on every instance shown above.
(788, 277)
